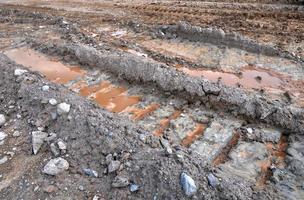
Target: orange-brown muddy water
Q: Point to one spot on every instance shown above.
(109, 96)
(192, 136)
(249, 78)
(54, 71)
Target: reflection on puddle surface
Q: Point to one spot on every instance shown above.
(54, 71)
(109, 96)
(248, 78)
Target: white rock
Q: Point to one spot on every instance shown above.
(3, 160)
(53, 102)
(63, 108)
(56, 166)
(250, 130)
(2, 135)
(2, 119)
(61, 144)
(45, 88)
(19, 72)
(38, 138)
(16, 133)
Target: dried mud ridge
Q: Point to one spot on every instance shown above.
(218, 135)
(232, 100)
(219, 37)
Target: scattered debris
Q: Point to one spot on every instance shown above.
(2, 120)
(45, 88)
(16, 133)
(54, 150)
(134, 187)
(188, 185)
(3, 160)
(90, 172)
(53, 102)
(113, 166)
(19, 72)
(2, 135)
(56, 166)
(120, 181)
(63, 108)
(212, 180)
(38, 138)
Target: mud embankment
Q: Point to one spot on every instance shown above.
(253, 106)
(219, 37)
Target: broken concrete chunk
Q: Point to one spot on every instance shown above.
(188, 185)
(2, 135)
(2, 120)
(63, 108)
(38, 138)
(113, 166)
(120, 181)
(19, 72)
(56, 166)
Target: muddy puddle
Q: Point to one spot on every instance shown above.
(248, 78)
(105, 94)
(53, 70)
(109, 96)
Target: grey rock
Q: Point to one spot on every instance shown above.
(109, 158)
(56, 166)
(270, 135)
(120, 181)
(90, 172)
(3, 160)
(54, 150)
(2, 119)
(38, 138)
(2, 135)
(63, 108)
(212, 180)
(134, 187)
(166, 145)
(51, 137)
(188, 185)
(113, 166)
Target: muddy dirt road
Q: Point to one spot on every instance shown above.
(151, 99)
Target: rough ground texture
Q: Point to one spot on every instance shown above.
(233, 141)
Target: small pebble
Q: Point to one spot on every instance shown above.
(45, 88)
(53, 102)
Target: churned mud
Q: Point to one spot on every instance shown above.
(151, 100)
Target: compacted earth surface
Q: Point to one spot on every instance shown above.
(151, 99)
